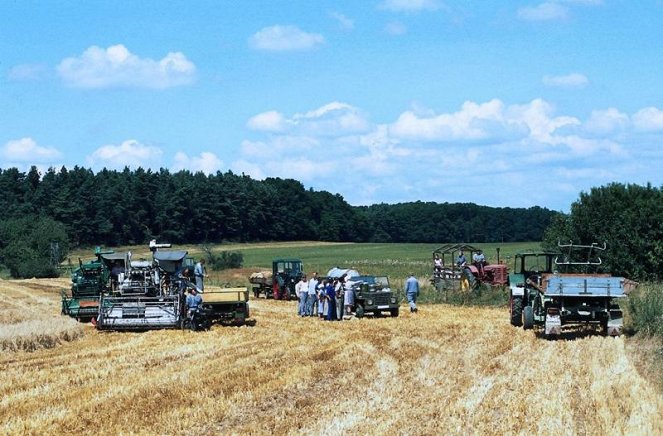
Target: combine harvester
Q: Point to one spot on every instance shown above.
(152, 295)
(89, 281)
(555, 289)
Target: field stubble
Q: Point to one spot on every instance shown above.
(444, 370)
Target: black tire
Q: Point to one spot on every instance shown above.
(528, 318)
(516, 311)
(359, 312)
(394, 312)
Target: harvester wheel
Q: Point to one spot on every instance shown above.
(359, 312)
(528, 318)
(516, 311)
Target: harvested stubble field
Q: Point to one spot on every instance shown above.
(444, 370)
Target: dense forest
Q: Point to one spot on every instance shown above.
(115, 208)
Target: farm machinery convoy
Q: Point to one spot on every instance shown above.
(118, 292)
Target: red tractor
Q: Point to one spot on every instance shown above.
(464, 267)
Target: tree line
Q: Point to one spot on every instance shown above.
(116, 208)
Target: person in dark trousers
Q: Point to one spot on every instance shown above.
(330, 293)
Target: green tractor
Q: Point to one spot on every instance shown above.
(280, 282)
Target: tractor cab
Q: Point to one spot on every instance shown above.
(286, 273)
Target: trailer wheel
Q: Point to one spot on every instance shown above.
(516, 311)
(528, 318)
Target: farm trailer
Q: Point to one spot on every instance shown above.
(543, 296)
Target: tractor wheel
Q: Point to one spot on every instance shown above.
(394, 312)
(516, 311)
(359, 312)
(528, 318)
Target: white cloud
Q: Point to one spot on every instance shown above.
(344, 22)
(27, 150)
(116, 66)
(130, 153)
(410, 5)
(547, 11)
(271, 121)
(573, 80)
(285, 38)
(472, 123)
(395, 28)
(602, 122)
(649, 119)
(457, 156)
(206, 162)
(332, 119)
(27, 72)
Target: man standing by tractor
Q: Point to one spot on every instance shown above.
(200, 273)
(412, 292)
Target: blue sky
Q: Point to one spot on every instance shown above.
(515, 104)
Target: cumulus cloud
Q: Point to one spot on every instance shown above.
(130, 153)
(410, 5)
(473, 122)
(207, 162)
(573, 80)
(332, 119)
(270, 121)
(547, 11)
(27, 150)
(116, 66)
(285, 38)
(458, 155)
(344, 22)
(602, 122)
(649, 119)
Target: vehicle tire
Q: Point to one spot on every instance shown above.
(394, 312)
(516, 311)
(359, 312)
(528, 318)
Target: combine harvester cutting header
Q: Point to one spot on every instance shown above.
(543, 296)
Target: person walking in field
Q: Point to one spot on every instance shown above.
(412, 292)
(348, 297)
(338, 299)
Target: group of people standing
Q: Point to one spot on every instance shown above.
(329, 298)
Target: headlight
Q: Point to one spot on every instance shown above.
(393, 300)
(369, 302)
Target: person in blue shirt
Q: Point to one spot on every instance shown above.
(461, 261)
(193, 301)
(412, 292)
